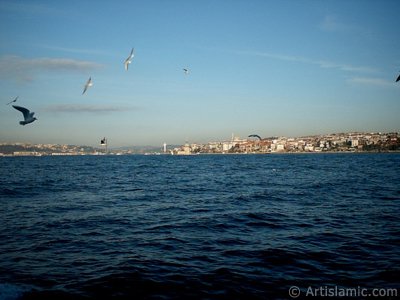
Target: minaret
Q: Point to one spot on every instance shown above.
(165, 147)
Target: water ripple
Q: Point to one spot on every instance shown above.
(204, 227)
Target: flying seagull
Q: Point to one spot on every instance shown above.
(186, 71)
(28, 116)
(129, 59)
(398, 78)
(15, 100)
(88, 84)
(255, 135)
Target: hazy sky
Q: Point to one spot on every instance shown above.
(272, 68)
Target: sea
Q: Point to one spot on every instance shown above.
(277, 226)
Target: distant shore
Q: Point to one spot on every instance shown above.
(352, 142)
(199, 154)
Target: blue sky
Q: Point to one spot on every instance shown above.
(274, 68)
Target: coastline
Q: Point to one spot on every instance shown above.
(204, 154)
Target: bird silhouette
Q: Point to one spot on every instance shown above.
(28, 116)
(128, 60)
(88, 84)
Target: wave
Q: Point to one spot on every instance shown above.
(207, 227)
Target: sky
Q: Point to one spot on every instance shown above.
(272, 68)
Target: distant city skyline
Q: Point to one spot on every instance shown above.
(253, 144)
(272, 68)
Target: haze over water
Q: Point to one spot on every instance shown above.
(209, 227)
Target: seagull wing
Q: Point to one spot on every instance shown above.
(398, 78)
(88, 83)
(24, 111)
(15, 100)
(128, 60)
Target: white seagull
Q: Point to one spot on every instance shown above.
(129, 59)
(15, 100)
(28, 116)
(88, 84)
(186, 71)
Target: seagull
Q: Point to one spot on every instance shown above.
(398, 78)
(88, 84)
(129, 59)
(28, 116)
(186, 71)
(15, 100)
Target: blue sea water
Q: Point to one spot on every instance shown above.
(197, 227)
